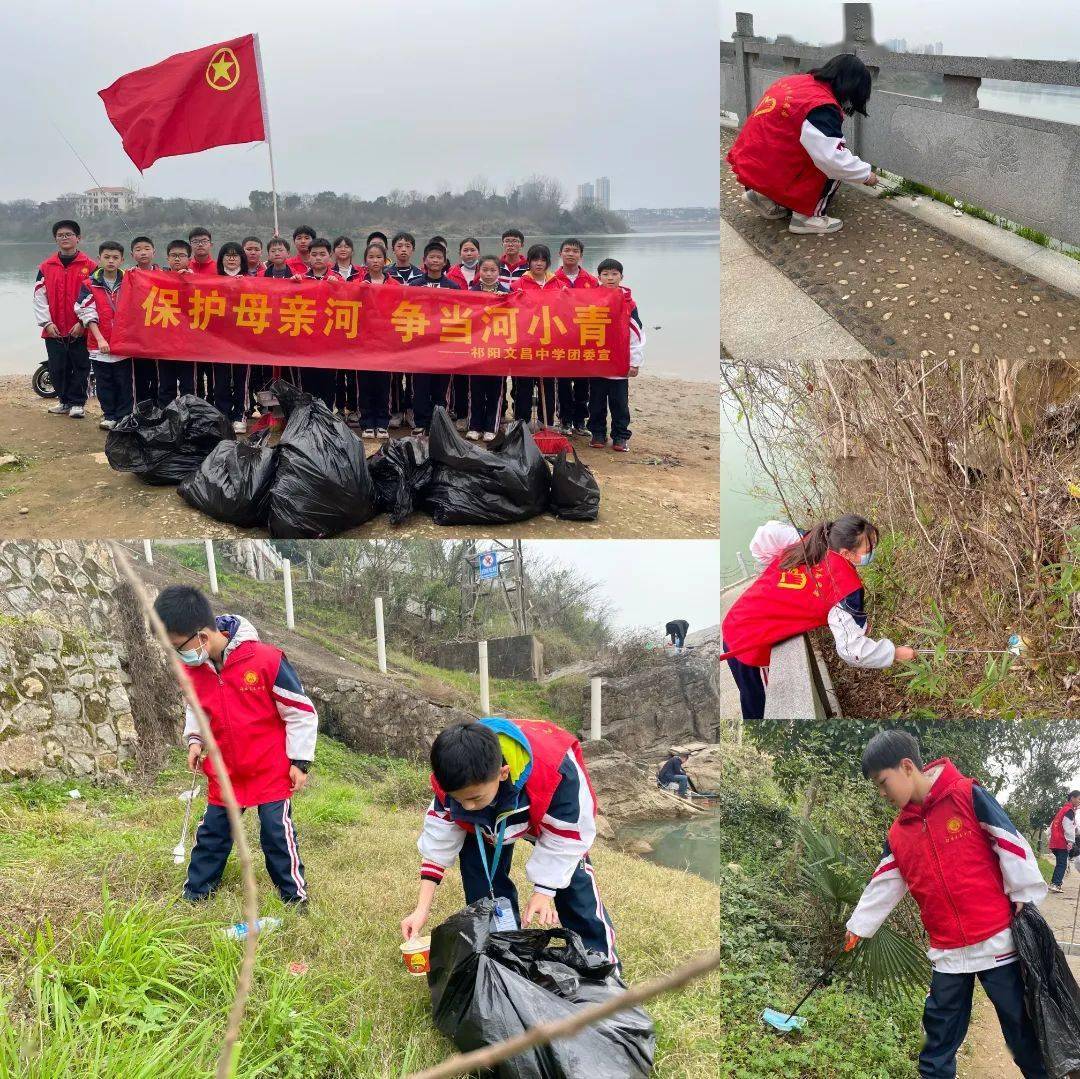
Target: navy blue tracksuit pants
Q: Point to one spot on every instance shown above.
(277, 837)
(578, 904)
(115, 387)
(948, 1012)
(1061, 863)
(609, 395)
(485, 402)
(175, 379)
(524, 391)
(574, 402)
(429, 392)
(751, 682)
(373, 396)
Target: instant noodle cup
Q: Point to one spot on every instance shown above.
(416, 955)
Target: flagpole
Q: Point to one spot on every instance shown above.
(266, 130)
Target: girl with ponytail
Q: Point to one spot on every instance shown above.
(807, 580)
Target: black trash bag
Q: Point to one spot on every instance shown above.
(575, 494)
(322, 485)
(487, 986)
(233, 482)
(400, 470)
(470, 485)
(1051, 994)
(166, 445)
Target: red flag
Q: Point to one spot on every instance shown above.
(189, 102)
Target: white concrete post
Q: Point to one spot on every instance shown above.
(148, 552)
(286, 572)
(211, 565)
(380, 634)
(485, 689)
(594, 708)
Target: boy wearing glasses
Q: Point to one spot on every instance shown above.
(265, 726)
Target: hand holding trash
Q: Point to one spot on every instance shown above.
(872, 180)
(542, 908)
(850, 941)
(904, 654)
(413, 924)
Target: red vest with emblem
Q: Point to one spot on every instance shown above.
(767, 155)
(1057, 829)
(105, 302)
(205, 269)
(548, 746)
(244, 718)
(949, 865)
(584, 279)
(784, 603)
(62, 285)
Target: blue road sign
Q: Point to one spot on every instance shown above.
(488, 565)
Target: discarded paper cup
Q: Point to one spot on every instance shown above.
(416, 954)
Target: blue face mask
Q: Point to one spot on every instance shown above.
(193, 657)
(867, 558)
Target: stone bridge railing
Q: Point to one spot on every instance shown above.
(1019, 167)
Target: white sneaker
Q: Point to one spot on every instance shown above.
(368, 432)
(764, 207)
(396, 419)
(473, 436)
(107, 425)
(59, 410)
(76, 412)
(818, 225)
(382, 432)
(489, 436)
(239, 427)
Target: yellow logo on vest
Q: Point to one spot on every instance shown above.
(223, 71)
(792, 578)
(955, 827)
(768, 103)
(251, 680)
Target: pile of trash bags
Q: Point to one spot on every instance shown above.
(1050, 992)
(316, 481)
(165, 445)
(487, 986)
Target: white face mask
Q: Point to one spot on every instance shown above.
(470, 265)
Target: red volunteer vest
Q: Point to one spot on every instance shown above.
(1057, 829)
(784, 603)
(245, 721)
(549, 745)
(767, 155)
(204, 268)
(528, 283)
(105, 302)
(584, 279)
(949, 866)
(62, 285)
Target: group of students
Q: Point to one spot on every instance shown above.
(495, 782)
(76, 298)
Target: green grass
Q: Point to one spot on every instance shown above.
(104, 973)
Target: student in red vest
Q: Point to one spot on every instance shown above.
(203, 262)
(320, 381)
(486, 391)
(791, 153)
(176, 377)
(347, 270)
(373, 387)
(266, 728)
(303, 237)
(232, 381)
(1063, 837)
(59, 280)
(574, 392)
(253, 248)
(537, 278)
(96, 309)
(465, 273)
(497, 781)
(808, 581)
(968, 869)
(145, 370)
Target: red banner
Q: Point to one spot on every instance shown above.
(571, 333)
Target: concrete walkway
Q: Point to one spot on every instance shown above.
(900, 285)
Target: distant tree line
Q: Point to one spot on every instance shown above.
(535, 206)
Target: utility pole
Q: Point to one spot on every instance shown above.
(520, 564)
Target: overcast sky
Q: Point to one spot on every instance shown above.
(647, 583)
(1034, 29)
(370, 96)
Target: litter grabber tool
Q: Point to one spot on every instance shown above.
(180, 850)
(1017, 646)
(785, 1022)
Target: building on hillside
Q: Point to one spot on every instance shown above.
(586, 192)
(99, 200)
(603, 192)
